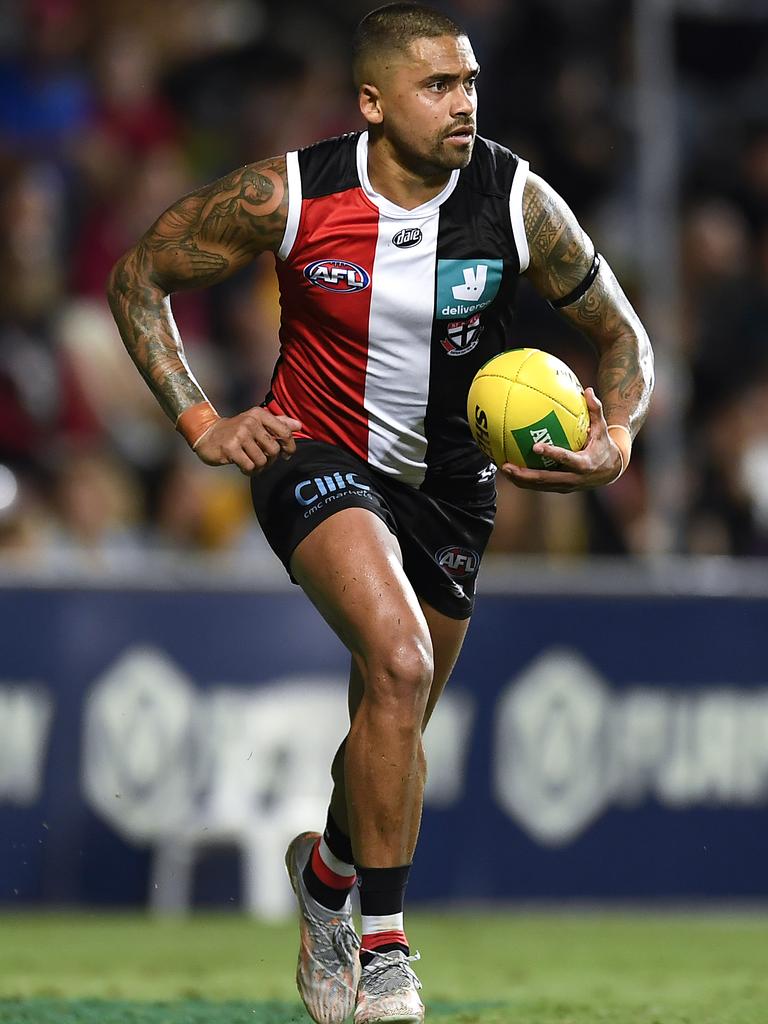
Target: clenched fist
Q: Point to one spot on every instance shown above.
(251, 440)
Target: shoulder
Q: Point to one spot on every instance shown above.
(492, 168)
(561, 252)
(329, 165)
(550, 223)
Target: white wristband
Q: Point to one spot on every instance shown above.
(624, 444)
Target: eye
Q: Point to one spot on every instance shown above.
(471, 83)
(439, 86)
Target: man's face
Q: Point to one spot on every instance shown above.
(427, 103)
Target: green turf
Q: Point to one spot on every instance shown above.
(508, 968)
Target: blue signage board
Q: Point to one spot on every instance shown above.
(161, 747)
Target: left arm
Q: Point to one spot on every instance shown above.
(561, 256)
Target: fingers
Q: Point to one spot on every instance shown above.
(593, 466)
(255, 452)
(574, 461)
(280, 427)
(251, 441)
(291, 423)
(542, 479)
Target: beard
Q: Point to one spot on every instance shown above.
(455, 156)
(442, 156)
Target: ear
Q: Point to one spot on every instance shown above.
(369, 99)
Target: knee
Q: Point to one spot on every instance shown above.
(400, 677)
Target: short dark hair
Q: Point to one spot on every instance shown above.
(394, 27)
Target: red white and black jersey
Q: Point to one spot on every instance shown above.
(387, 313)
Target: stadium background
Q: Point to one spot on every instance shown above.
(167, 700)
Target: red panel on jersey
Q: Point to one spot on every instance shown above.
(320, 377)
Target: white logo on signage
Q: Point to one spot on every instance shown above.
(166, 764)
(474, 284)
(26, 713)
(567, 747)
(549, 766)
(139, 745)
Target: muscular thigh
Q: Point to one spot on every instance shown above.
(351, 569)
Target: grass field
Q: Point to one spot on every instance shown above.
(506, 969)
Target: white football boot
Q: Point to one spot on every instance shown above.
(388, 992)
(329, 964)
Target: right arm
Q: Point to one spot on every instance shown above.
(199, 241)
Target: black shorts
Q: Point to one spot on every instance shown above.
(442, 533)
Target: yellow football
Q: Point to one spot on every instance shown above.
(524, 396)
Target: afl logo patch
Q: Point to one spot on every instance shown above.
(458, 562)
(407, 238)
(337, 275)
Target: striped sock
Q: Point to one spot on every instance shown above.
(329, 874)
(381, 934)
(382, 894)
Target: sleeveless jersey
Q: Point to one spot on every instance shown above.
(387, 313)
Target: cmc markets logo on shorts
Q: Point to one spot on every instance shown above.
(307, 492)
(337, 275)
(407, 238)
(459, 562)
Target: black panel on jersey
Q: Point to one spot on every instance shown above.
(474, 224)
(329, 166)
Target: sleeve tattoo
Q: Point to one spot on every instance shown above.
(561, 255)
(199, 241)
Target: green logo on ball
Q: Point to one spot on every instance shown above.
(550, 430)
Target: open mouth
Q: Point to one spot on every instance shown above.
(462, 134)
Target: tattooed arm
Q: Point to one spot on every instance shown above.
(200, 240)
(561, 256)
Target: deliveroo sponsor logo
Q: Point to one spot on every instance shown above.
(466, 287)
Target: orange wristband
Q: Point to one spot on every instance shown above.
(195, 421)
(622, 438)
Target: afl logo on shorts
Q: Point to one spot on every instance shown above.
(459, 562)
(337, 275)
(407, 238)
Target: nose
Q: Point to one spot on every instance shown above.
(464, 101)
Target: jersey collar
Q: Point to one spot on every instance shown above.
(391, 209)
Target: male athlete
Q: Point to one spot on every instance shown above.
(398, 251)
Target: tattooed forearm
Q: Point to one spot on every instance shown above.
(199, 241)
(625, 370)
(561, 256)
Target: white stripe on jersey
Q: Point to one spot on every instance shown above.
(516, 213)
(400, 332)
(399, 341)
(294, 204)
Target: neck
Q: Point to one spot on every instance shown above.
(406, 186)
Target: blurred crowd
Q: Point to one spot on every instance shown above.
(109, 112)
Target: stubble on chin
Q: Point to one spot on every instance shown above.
(454, 161)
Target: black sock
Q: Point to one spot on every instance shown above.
(382, 895)
(325, 884)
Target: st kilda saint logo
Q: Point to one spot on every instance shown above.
(406, 238)
(462, 336)
(337, 275)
